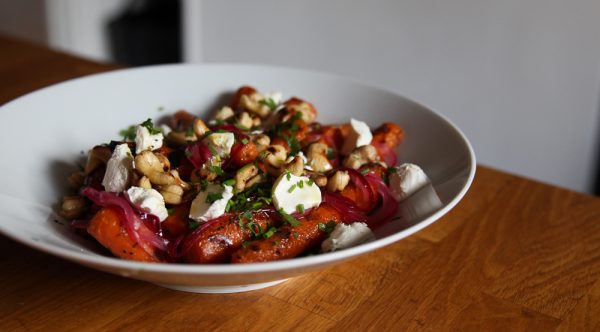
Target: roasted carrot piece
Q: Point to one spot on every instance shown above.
(105, 227)
(289, 241)
(242, 154)
(224, 237)
(176, 223)
(389, 134)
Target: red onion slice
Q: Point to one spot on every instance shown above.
(387, 154)
(136, 228)
(347, 208)
(198, 154)
(389, 206)
(367, 198)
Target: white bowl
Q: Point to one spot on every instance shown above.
(45, 133)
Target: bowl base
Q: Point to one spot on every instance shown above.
(221, 289)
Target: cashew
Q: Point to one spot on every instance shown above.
(99, 155)
(303, 108)
(149, 164)
(254, 180)
(338, 181)
(276, 155)
(224, 113)
(361, 156)
(243, 175)
(296, 166)
(180, 137)
(144, 182)
(320, 180)
(317, 157)
(199, 128)
(172, 194)
(72, 207)
(252, 103)
(262, 142)
(206, 173)
(244, 120)
(76, 180)
(164, 161)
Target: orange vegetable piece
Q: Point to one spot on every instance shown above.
(106, 227)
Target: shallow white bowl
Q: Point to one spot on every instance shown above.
(45, 133)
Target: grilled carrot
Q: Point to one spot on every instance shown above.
(289, 241)
(224, 236)
(105, 227)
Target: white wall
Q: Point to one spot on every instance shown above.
(79, 26)
(520, 77)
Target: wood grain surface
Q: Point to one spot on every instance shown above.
(515, 254)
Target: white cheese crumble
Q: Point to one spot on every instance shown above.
(118, 169)
(346, 236)
(202, 210)
(148, 200)
(289, 191)
(145, 141)
(165, 129)
(406, 180)
(221, 143)
(359, 135)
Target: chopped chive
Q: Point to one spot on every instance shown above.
(288, 218)
(246, 244)
(300, 208)
(288, 175)
(213, 197)
(292, 188)
(310, 182)
(300, 184)
(244, 141)
(295, 234)
(229, 182)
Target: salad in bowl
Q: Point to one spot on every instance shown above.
(260, 180)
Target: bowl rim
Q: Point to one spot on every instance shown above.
(219, 269)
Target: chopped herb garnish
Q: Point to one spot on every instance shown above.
(310, 182)
(246, 244)
(212, 150)
(269, 233)
(203, 184)
(240, 127)
(189, 132)
(295, 234)
(193, 225)
(300, 208)
(188, 153)
(150, 126)
(330, 154)
(292, 188)
(229, 182)
(328, 227)
(289, 218)
(300, 184)
(128, 134)
(288, 175)
(216, 169)
(270, 103)
(244, 141)
(213, 197)
(365, 171)
(170, 211)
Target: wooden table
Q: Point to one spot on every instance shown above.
(515, 254)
